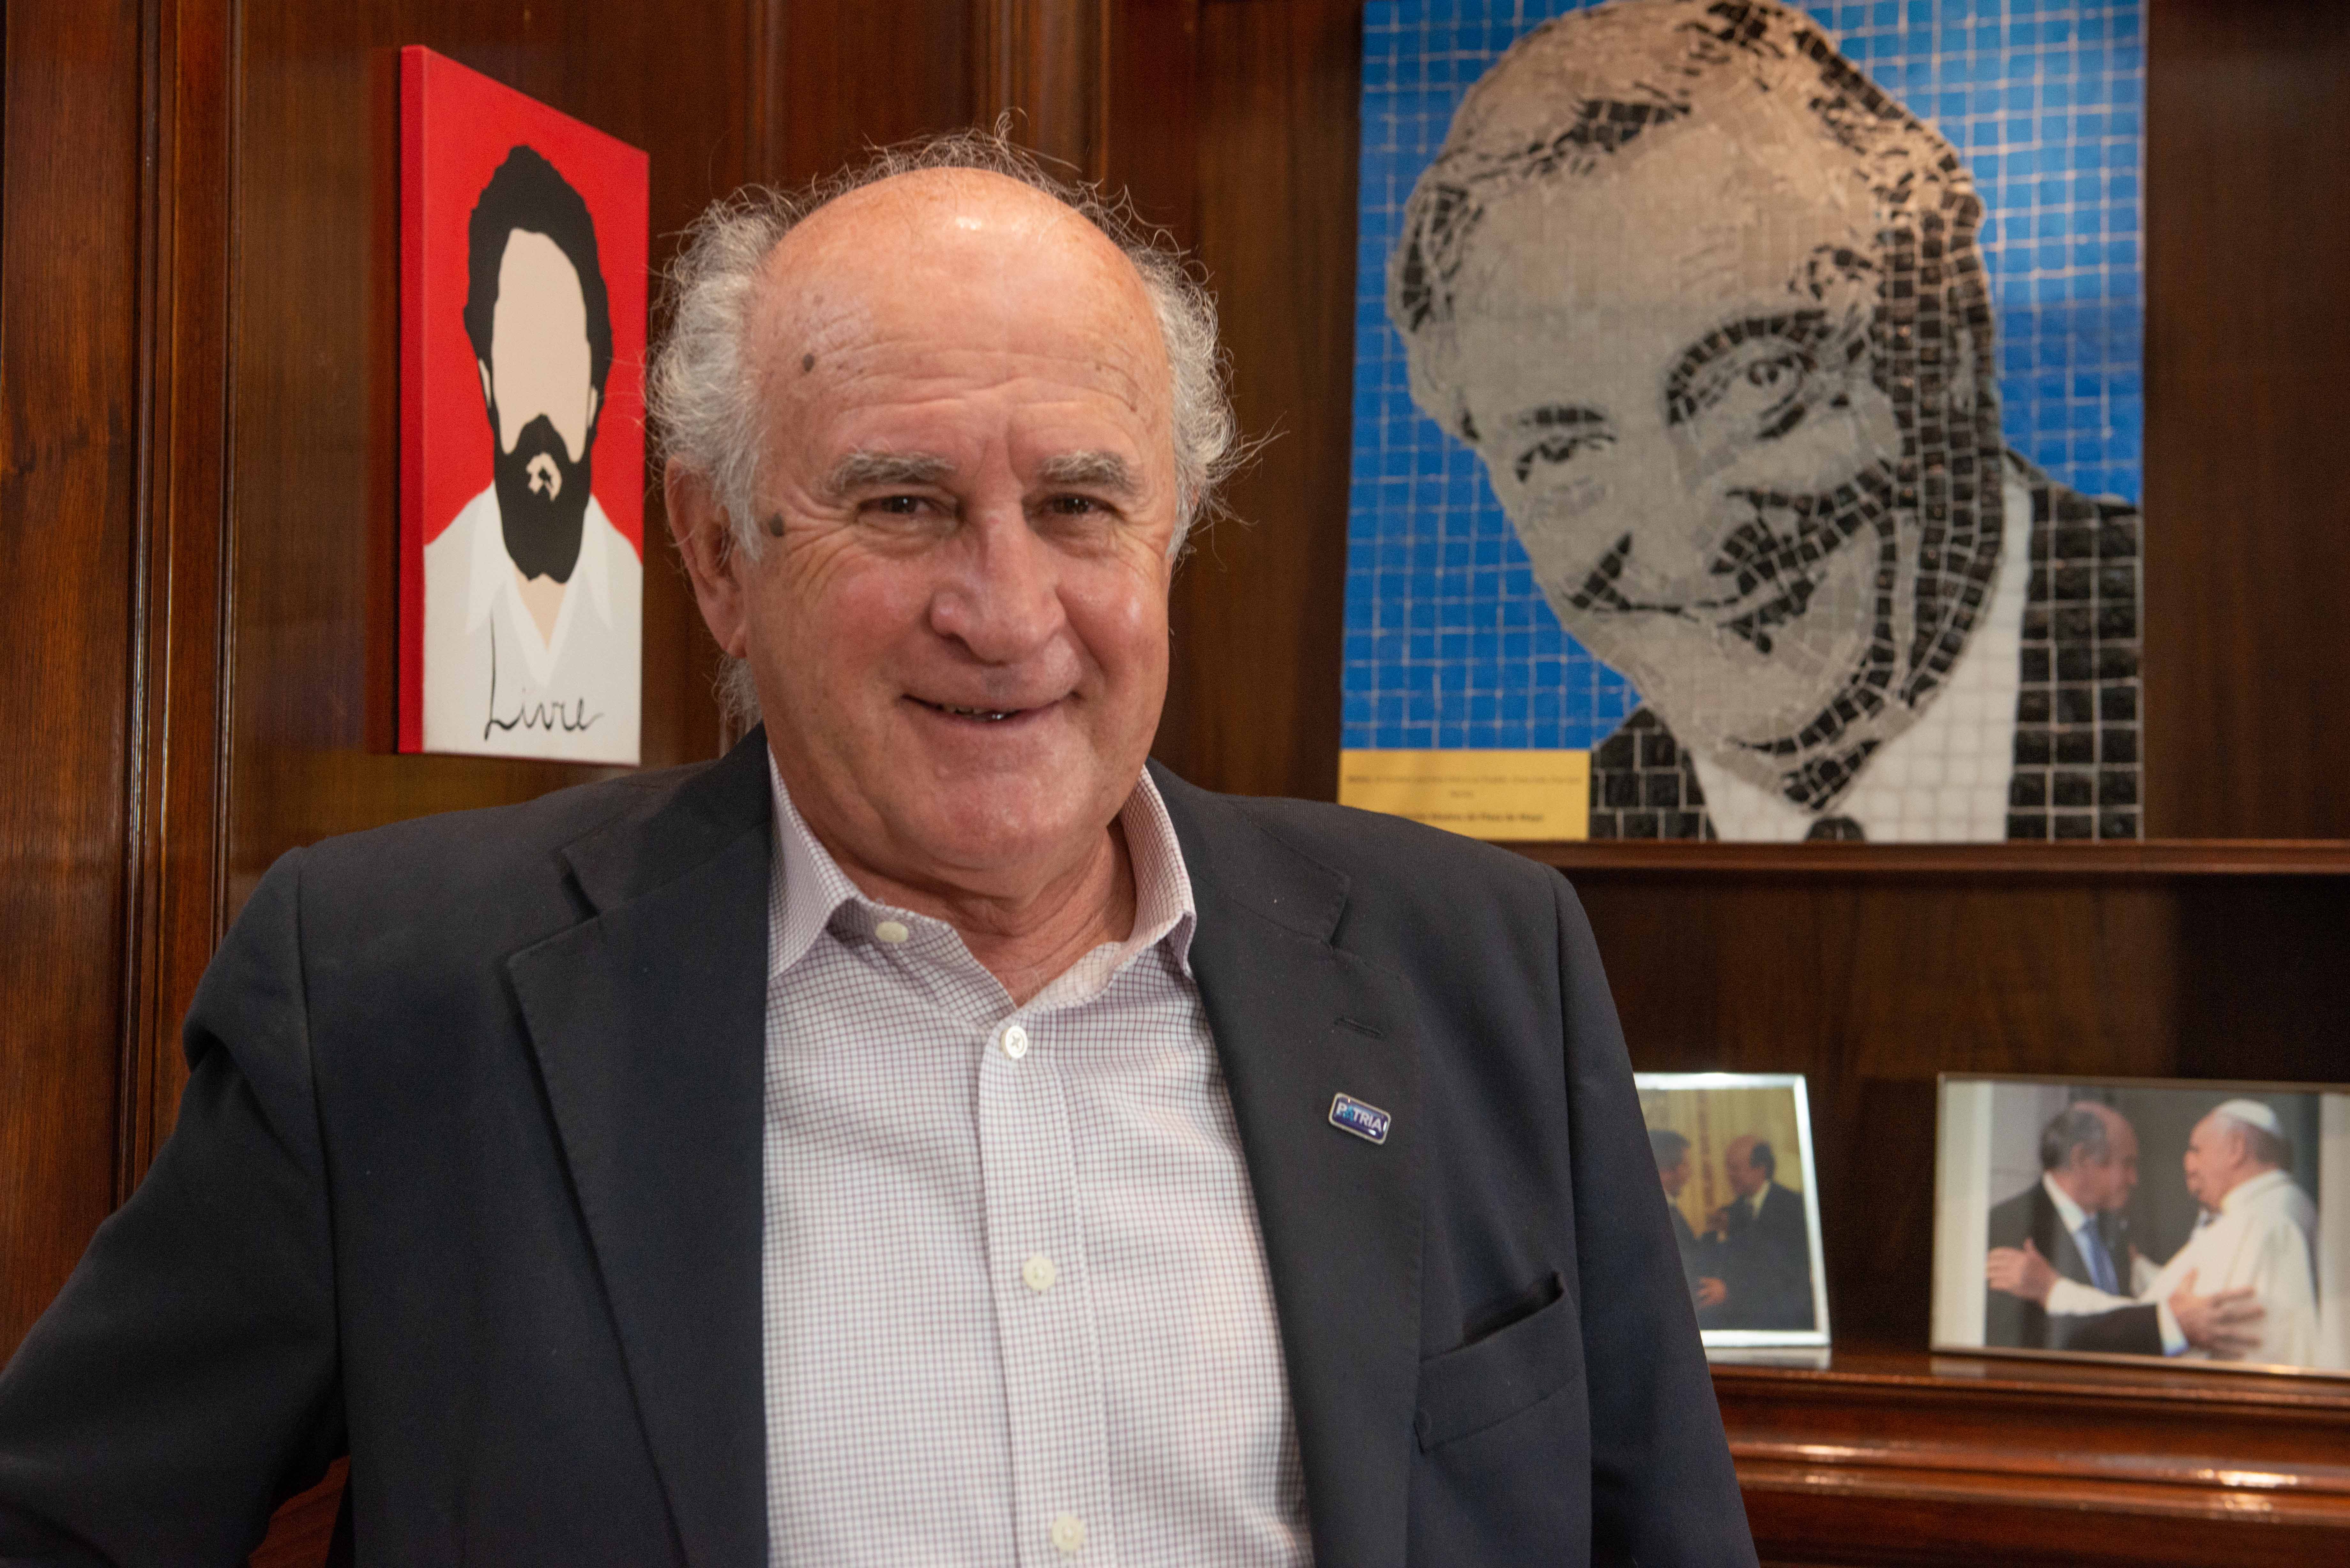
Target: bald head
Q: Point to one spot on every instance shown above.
(924, 275)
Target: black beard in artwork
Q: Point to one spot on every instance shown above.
(542, 499)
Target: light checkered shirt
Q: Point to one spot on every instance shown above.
(1017, 1303)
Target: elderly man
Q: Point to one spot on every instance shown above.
(2071, 1218)
(1710, 307)
(924, 1135)
(1765, 1243)
(2252, 1252)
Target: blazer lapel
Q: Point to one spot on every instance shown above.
(1297, 1021)
(648, 1021)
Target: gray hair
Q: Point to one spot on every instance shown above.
(2077, 1129)
(2262, 1146)
(702, 392)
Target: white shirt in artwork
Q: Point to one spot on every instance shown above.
(492, 684)
(1944, 779)
(2260, 1239)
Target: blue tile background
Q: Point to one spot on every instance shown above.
(1449, 641)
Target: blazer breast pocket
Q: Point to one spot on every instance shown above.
(1491, 1379)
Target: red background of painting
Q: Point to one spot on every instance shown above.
(456, 127)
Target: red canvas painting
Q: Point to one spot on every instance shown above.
(523, 252)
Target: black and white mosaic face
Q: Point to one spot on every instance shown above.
(1670, 384)
(1707, 304)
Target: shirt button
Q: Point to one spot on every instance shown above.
(1016, 1041)
(1068, 1533)
(891, 931)
(1039, 1273)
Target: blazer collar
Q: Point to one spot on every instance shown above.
(1298, 1020)
(648, 1021)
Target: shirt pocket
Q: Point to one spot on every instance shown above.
(1489, 1380)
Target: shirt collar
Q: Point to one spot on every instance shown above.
(808, 887)
(2071, 1213)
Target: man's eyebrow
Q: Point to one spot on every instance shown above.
(1093, 470)
(869, 469)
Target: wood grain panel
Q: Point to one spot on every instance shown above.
(2248, 323)
(71, 387)
(1901, 1457)
(1253, 702)
(855, 73)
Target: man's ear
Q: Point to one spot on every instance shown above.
(699, 526)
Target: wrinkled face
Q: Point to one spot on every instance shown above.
(1674, 403)
(539, 385)
(2214, 1160)
(1746, 1178)
(958, 622)
(2105, 1186)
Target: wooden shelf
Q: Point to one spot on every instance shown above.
(2148, 858)
(1898, 1456)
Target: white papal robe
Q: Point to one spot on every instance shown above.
(2262, 1238)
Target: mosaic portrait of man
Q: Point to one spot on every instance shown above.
(532, 597)
(1711, 310)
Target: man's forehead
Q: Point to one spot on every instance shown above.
(1664, 228)
(940, 270)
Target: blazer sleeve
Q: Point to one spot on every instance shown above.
(1663, 1488)
(185, 1382)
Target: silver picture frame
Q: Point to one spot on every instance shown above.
(2188, 1223)
(1768, 1293)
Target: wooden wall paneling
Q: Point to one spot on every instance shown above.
(1045, 63)
(70, 398)
(181, 693)
(1253, 700)
(2248, 522)
(855, 73)
(1151, 101)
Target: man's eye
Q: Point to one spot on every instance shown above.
(897, 505)
(1073, 506)
(1556, 451)
(1779, 372)
(1761, 398)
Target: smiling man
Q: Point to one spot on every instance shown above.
(927, 1135)
(1710, 307)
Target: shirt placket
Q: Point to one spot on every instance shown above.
(1055, 1396)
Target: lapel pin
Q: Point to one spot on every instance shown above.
(1348, 1114)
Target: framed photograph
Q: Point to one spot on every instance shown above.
(1734, 1153)
(522, 308)
(2159, 1220)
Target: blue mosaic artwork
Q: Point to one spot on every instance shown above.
(1451, 641)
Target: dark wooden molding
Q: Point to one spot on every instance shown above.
(1898, 1456)
(2152, 857)
(176, 784)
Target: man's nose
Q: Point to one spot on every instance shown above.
(1000, 593)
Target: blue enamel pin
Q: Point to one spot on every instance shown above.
(1350, 1115)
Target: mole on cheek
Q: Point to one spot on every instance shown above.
(807, 363)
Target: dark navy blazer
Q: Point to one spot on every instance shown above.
(466, 1184)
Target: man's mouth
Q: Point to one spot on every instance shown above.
(983, 715)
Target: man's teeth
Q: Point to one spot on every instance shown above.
(990, 714)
